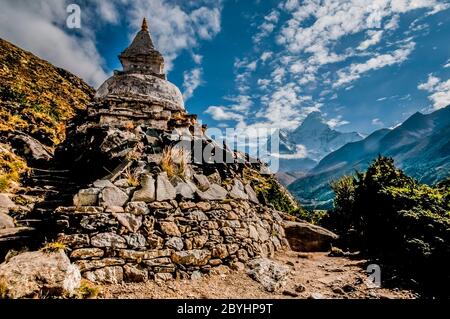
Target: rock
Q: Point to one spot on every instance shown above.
(215, 192)
(6, 221)
(114, 210)
(102, 183)
(130, 221)
(272, 275)
(87, 253)
(6, 203)
(186, 190)
(158, 262)
(164, 189)
(137, 208)
(136, 241)
(253, 233)
(215, 178)
(220, 251)
(29, 147)
(251, 194)
(88, 265)
(160, 205)
(237, 265)
(316, 295)
(300, 288)
(199, 241)
(348, 288)
(238, 191)
(242, 255)
(215, 262)
(108, 240)
(175, 243)
(161, 277)
(202, 182)
(338, 290)
(108, 275)
(37, 274)
(133, 274)
(147, 192)
(123, 182)
(170, 229)
(263, 235)
(74, 241)
(191, 257)
(187, 205)
(113, 196)
(198, 215)
(86, 197)
(196, 275)
(305, 237)
(290, 293)
(204, 206)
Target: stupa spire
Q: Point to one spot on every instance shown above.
(141, 56)
(144, 25)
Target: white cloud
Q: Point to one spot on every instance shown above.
(440, 91)
(191, 81)
(430, 84)
(222, 113)
(447, 64)
(374, 38)
(266, 55)
(39, 26)
(354, 71)
(267, 27)
(173, 28)
(336, 122)
(197, 58)
(333, 20)
(377, 122)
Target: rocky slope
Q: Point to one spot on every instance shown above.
(420, 146)
(36, 101)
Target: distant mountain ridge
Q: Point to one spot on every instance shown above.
(302, 148)
(420, 146)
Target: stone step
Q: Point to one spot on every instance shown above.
(12, 232)
(49, 182)
(13, 239)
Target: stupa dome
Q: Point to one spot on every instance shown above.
(143, 77)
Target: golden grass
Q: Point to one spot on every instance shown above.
(11, 168)
(174, 162)
(53, 247)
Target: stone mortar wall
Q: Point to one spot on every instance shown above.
(165, 240)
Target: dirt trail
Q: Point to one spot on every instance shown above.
(315, 276)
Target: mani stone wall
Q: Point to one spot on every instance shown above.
(162, 231)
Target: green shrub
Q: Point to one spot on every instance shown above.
(397, 220)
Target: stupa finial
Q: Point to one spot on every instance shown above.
(144, 25)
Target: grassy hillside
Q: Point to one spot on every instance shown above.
(36, 98)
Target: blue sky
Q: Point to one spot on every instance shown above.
(262, 64)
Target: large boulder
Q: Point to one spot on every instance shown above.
(6, 221)
(270, 274)
(29, 147)
(147, 192)
(214, 192)
(37, 274)
(6, 203)
(307, 237)
(164, 188)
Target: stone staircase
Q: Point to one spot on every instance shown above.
(55, 186)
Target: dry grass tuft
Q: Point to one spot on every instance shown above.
(132, 177)
(53, 247)
(175, 161)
